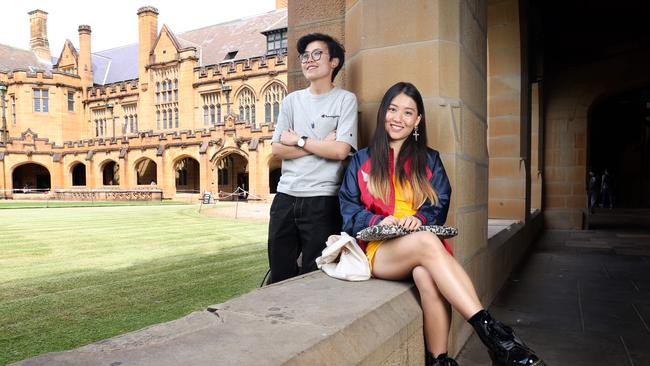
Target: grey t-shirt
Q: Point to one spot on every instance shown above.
(315, 116)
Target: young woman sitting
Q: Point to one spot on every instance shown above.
(398, 180)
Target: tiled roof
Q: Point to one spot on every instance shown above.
(242, 35)
(12, 58)
(213, 43)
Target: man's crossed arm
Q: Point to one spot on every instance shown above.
(328, 148)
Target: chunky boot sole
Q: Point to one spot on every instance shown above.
(495, 362)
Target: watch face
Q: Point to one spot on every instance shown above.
(301, 142)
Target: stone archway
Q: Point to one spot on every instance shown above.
(187, 175)
(110, 173)
(78, 174)
(232, 173)
(146, 172)
(31, 178)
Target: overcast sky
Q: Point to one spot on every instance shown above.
(115, 22)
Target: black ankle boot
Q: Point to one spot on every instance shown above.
(504, 347)
(441, 360)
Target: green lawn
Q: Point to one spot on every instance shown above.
(72, 276)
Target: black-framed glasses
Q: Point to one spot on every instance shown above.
(315, 55)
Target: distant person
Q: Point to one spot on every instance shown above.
(316, 131)
(606, 192)
(592, 190)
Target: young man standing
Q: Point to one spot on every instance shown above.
(315, 132)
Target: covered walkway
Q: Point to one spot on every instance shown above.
(581, 297)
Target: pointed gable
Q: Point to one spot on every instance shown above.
(167, 46)
(68, 60)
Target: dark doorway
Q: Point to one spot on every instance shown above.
(619, 142)
(187, 176)
(274, 179)
(111, 174)
(146, 171)
(31, 178)
(232, 174)
(79, 175)
(275, 171)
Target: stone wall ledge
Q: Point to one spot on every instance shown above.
(309, 320)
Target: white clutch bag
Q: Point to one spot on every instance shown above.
(352, 264)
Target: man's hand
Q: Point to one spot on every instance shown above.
(289, 138)
(410, 222)
(330, 136)
(389, 220)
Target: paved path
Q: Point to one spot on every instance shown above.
(580, 298)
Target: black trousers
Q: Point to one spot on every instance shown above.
(300, 224)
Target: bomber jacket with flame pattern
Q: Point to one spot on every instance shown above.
(361, 210)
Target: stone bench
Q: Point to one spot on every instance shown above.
(307, 320)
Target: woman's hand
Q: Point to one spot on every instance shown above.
(410, 222)
(389, 220)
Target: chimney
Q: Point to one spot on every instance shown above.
(84, 62)
(38, 42)
(147, 33)
(279, 4)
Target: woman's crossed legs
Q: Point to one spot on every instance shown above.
(440, 279)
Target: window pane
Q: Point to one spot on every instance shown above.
(37, 105)
(267, 112)
(276, 110)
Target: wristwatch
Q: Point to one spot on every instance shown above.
(301, 141)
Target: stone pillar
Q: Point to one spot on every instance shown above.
(508, 113)
(204, 173)
(303, 18)
(536, 146)
(123, 173)
(440, 46)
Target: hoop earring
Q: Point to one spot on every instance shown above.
(415, 133)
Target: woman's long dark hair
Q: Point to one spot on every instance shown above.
(412, 150)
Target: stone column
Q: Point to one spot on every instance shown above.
(440, 46)
(536, 146)
(508, 113)
(327, 16)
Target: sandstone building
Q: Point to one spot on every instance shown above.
(173, 113)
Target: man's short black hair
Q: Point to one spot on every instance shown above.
(335, 48)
